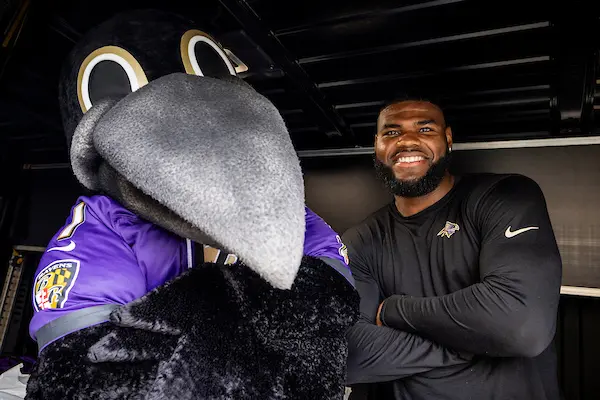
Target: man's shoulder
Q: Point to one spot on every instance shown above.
(486, 191)
(481, 185)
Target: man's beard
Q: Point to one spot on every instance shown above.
(414, 187)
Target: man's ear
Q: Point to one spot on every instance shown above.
(449, 136)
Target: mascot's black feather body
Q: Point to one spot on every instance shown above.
(230, 335)
(270, 326)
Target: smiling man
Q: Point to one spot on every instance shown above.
(459, 277)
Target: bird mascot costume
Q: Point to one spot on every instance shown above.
(193, 269)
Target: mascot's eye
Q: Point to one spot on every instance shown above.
(109, 71)
(202, 56)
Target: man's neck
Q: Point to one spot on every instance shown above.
(408, 206)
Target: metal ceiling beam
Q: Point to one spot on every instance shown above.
(372, 12)
(472, 116)
(63, 28)
(469, 118)
(576, 63)
(412, 75)
(499, 103)
(12, 32)
(420, 43)
(268, 42)
(510, 90)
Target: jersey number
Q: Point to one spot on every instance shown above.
(78, 218)
(343, 250)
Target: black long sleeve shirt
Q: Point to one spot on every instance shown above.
(470, 289)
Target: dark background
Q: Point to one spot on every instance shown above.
(504, 69)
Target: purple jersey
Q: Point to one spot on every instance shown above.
(105, 254)
(321, 240)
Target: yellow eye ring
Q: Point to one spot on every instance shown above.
(133, 69)
(188, 54)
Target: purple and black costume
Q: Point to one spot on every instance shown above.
(195, 270)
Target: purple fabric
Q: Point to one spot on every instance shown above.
(105, 254)
(321, 240)
(112, 256)
(9, 362)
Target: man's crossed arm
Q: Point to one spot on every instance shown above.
(379, 353)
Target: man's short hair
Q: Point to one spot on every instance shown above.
(413, 96)
(434, 99)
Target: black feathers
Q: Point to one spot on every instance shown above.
(213, 333)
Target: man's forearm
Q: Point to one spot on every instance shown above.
(380, 354)
(480, 319)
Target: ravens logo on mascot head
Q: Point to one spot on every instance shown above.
(156, 118)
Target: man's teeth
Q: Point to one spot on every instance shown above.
(409, 159)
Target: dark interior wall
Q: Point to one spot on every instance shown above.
(51, 194)
(578, 348)
(344, 190)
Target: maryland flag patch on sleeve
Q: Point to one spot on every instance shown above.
(53, 284)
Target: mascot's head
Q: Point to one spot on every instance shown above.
(156, 118)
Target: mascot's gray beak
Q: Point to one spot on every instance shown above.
(238, 178)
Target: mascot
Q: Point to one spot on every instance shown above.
(193, 270)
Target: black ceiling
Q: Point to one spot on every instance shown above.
(503, 69)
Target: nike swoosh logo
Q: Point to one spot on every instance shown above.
(69, 247)
(510, 233)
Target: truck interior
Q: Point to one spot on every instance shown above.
(519, 82)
